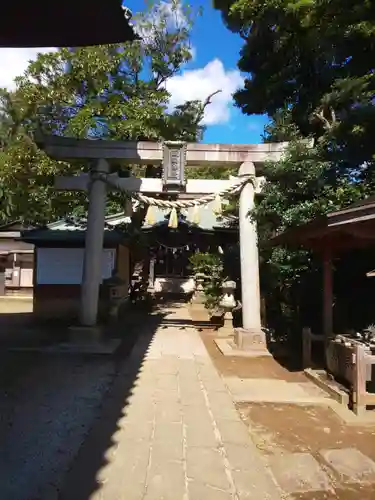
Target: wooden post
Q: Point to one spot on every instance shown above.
(306, 347)
(151, 277)
(327, 295)
(359, 380)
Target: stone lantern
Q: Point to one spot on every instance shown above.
(227, 303)
(199, 296)
(117, 291)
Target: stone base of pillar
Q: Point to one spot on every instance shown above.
(82, 334)
(251, 340)
(88, 340)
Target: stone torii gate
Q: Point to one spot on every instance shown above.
(174, 156)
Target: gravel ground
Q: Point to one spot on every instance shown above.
(47, 407)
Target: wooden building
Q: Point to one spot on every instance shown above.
(170, 249)
(17, 261)
(331, 236)
(59, 250)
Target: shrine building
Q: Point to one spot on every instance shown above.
(59, 253)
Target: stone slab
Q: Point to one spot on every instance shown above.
(199, 491)
(273, 391)
(170, 432)
(167, 452)
(299, 473)
(168, 412)
(330, 386)
(200, 435)
(228, 348)
(225, 333)
(241, 456)
(350, 464)
(255, 484)
(205, 465)
(234, 432)
(349, 418)
(165, 481)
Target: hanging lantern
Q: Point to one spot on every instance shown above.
(195, 219)
(217, 208)
(173, 219)
(150, 216)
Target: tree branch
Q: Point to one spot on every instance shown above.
(205, 104)
(208, 100)
(327, 125)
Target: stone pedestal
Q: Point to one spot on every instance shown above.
(85, 334)
(227, 329)
(86, 340)
(199, 297)
(251, 340)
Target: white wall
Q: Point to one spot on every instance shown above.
(63, 266)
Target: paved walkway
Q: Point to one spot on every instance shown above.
(180, 436)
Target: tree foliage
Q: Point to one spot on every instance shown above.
(112, 92)
(309, 67)
(313, 60)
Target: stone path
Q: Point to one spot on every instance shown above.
(180, 436)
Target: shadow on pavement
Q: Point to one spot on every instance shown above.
(82, 482)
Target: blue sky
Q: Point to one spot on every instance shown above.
(214, 66)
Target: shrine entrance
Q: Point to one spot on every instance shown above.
(170, 249)
(174, 193)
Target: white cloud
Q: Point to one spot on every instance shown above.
(200, 83)
(13, 63)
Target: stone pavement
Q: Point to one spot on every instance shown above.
(180, 436)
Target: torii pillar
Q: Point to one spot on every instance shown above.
(251, 336)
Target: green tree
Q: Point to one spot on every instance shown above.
(312, 61)
(307, 70)
(113, 92)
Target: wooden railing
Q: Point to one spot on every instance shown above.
(363, 362)
(347, 359)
